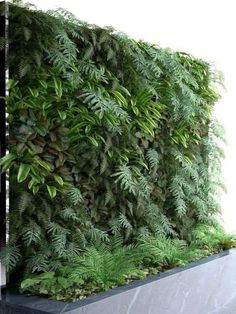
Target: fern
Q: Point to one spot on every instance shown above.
(126, 179)
(157, 222)
(10, 257)
(75, 196)
(31, 234)
(69, 213)
(97, 235)
(104, 266)
(169, 253)
(153, 158)
(24, 201)
(92, 72)
(212, 237)
(144, 187)
(101, 104)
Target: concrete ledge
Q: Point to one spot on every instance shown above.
(207, 286)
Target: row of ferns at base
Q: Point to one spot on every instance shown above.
(114, 157)
(103, 266)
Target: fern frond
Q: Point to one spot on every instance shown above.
(10, 256)
(74, 196)
(153, 158)
(126, 179)
(31, 234)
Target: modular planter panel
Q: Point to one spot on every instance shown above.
(204, 287)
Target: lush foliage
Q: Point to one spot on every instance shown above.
(106, 266)
(108, 137)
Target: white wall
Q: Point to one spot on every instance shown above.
(204, 28)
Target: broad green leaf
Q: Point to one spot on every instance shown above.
(8, 157)
(40, 130)
(52, 191)
(59, 180)
(35, 189)
(43, 164)
(6, 161)
(23, 172)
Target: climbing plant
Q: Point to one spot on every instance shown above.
(108, 136)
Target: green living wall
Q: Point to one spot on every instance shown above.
(108, 136)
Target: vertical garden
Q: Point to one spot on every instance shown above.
(114, 157)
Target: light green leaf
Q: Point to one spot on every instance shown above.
(6, 161)
(32, 183)
(52, 191)
(43, 164)
(59, 180)
(7, 158)
(62, 114)
(58, 87)
(23, 172)
(93, 141)
(35, 189)
(29, 283)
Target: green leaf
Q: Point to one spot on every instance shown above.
(12, 83)
(93, 141)
(52, 191)
(29, 283)
(121, 99)
(6, 161)
(10, 256)
(59, 180)
(58, 87)
(43, 164)
(41, 130)
(33, 92)
(44, 84)
(78, 126)
(46, 276)
(32, 183)
(23, 172)
(35, 189)
(7, 158)
(63, 282)
(62, 114)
